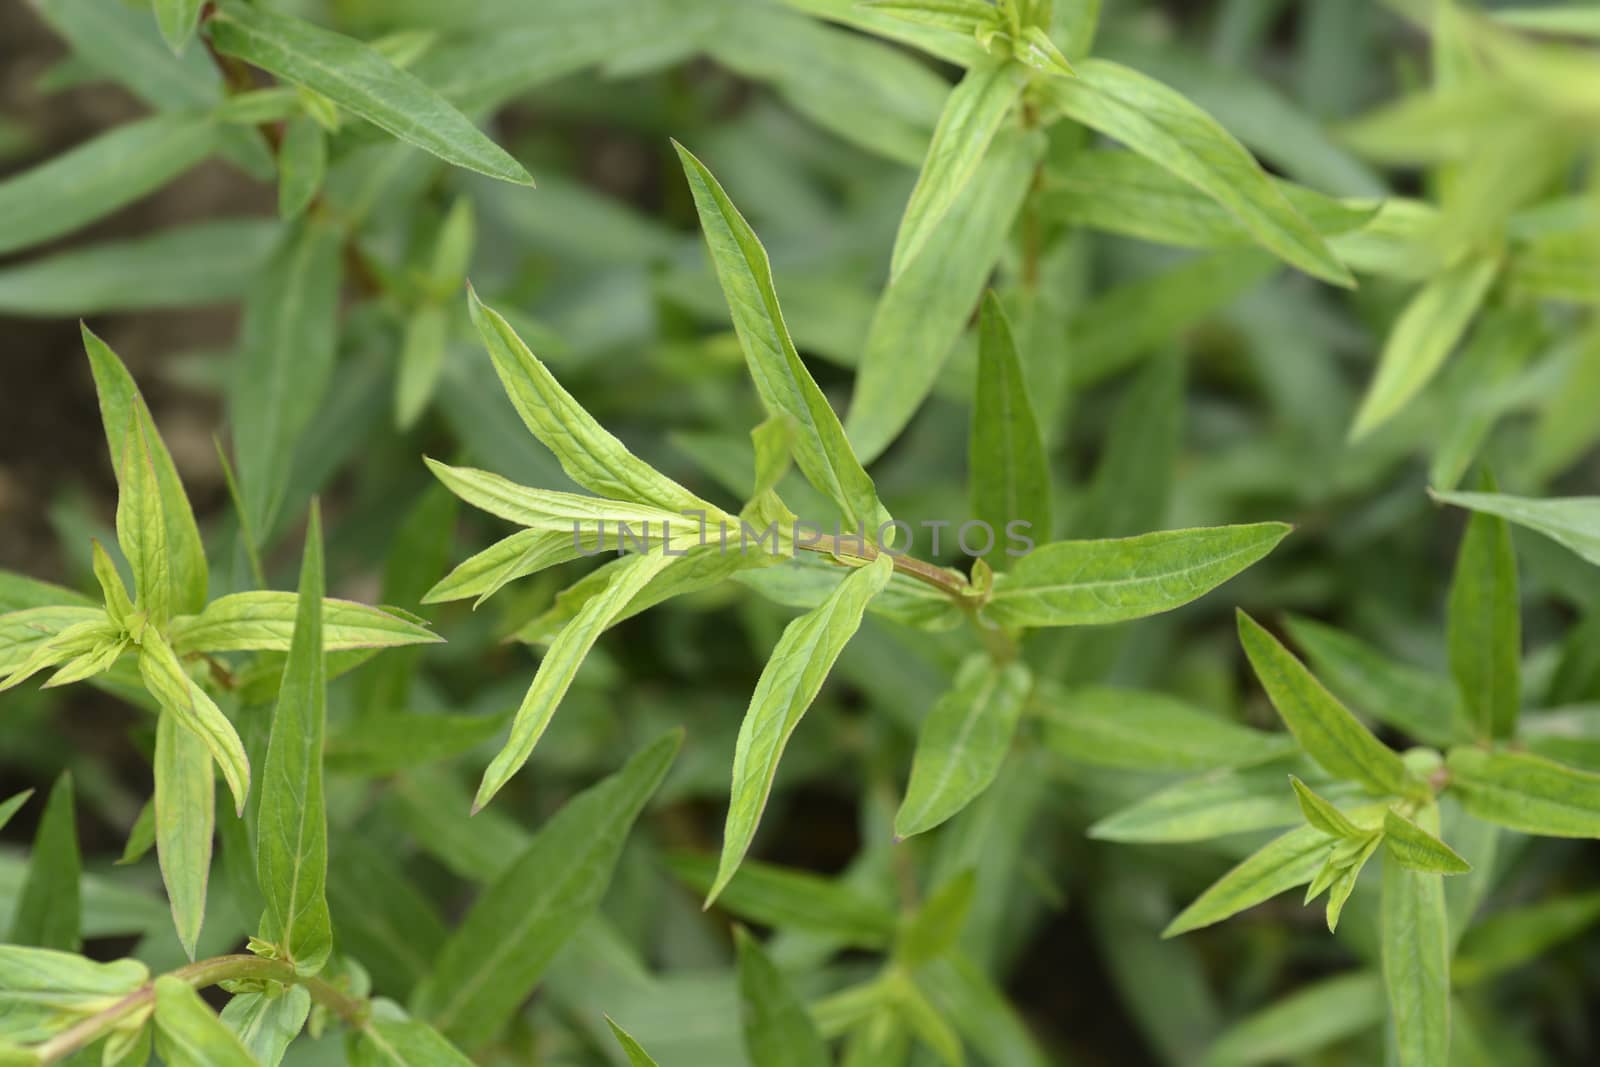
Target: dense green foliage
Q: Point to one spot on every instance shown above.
(689, 739)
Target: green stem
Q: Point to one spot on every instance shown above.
(85, 1032)
(947, 582)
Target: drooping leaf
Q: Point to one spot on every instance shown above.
(1008, 475)
(1081, 583)
(962, 743)
(1570, 521)
(362, 81)
(794, 673)
(786, 387)
(1327, 730)
(184, 811)
(503, 946)
(264, 620)
(188, 1032)
(49, 908)
(1526, 792)
(292, 835)
(777, 1030)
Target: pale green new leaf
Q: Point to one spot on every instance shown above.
(1422, 337)
(1081, 583)
(1411, 846)
(267, 1022)
(523, 553)
(1283, 863)
(1485, 627)
(551, 510)
(1327, 730)
(971, 117)
(177, 19)
(1131, 729)
(292, 834)
(1526, 792)
(184, 811)
(507, 940)
(560, 665)
(99, 176)
(965, 17)
(1573, 20)
(786, 387)
(1223, 802)
(1415, 937)
(30, 639)
(43, 990)
(1570, 521)
(188, 1032)
(1008, 475)
(49, 908)
(264, 620)
(777, 1030)
(155, 524)
(1165, 127)
(361, 80)
(1323, 815)
(590, 454)
(962, 743)
(180, 695)
(790, 681)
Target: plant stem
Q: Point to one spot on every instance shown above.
(947, 582)
(353, 1010)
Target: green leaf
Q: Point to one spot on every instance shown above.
(637, 1056)
(1415, 936)
(962, 742)
(44, 990)
(980, 1012)
(1133, 729)
(777, 1030)
(184, 810)
(779, 897)
(421, 361)
(302, 163)
(590, 455)
(1165, 127)
(155, 524)
(1299, 1025)
(1570, 521)
(49, 907)
(1082, 583)
(821, 450)
(1223, 802)
(264, 620)
(292, 838)
(1412, 846)
(1526, 792)
(924, 311)
(1008, 475)
(12, 805)
(972, 116)
(179, 694)
(267, 1022)
(177, 19)
(1422, 337)
(923, 1020)
(1283, 863)
(189, 1034)
(99, 176)
(965, 17)
(287, 341)
(932, 931)
(359, 79)
(560, 665)
(1485, 629)
(1327, 730)
(391, 1038)
(1518, 936)
(507, 940)
(790, 681)
(1323, 815)
(142, 835)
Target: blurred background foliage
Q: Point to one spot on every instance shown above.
(1176, 387)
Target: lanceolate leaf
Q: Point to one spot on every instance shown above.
(972, 115)
(1284, 863)
(1408, 844)
(1163, 126)
(154, 520)
(360, 80)
(1080, 583)
(1416, 963)
(1303, 1022)
(391, 1038)
(1570, 521)
(292, 837)
(1428, 328)
(1007, 473)
(500, 951)
(177, 19)
(264, 620)
(637, 1056)
(560, 665)
(12, 805)
(590, 455)
(48, 910)
(962, 743)
(1326, 729)
(788, 899)
(302, 162)
(185, 816)
(1486, 627)
(794, 673)
(1521, 935)
(99, 176)
(786, 387)
(180, 695)
(1132, 729)
(1321, 814)
(188, 1032)
(777, 1030)
(1526, 792)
